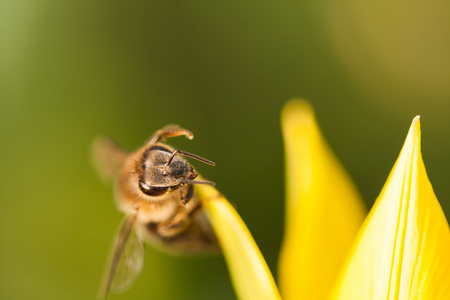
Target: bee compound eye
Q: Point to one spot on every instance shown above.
(152, 191)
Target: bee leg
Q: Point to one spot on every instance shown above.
(179, 221)
(170, 131)
(189, 192)
(193, 234)
(174, 226)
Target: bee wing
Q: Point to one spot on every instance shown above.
(108, 157)
(127, 258)
(131, 262)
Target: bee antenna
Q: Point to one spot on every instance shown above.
(197, 182)
(203, 160)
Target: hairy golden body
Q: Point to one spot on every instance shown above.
(155, 190)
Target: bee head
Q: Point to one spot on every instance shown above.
(162, 170)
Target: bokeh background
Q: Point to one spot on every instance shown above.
(72, 70)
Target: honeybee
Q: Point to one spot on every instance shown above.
(155, 190)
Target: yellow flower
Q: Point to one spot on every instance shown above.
(323, 211)
(400, 251)
(251, 276)
(403, 248)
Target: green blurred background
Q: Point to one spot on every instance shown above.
(70, 71)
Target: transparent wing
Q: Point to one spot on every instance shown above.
(108, 157)
(131, 262)
(127, 258)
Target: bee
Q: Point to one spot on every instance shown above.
(155, 189)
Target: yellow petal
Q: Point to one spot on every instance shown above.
(403, 248)
(249, 272)
(323, 212)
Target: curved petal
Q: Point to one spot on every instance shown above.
(402, 251)
(249, 272)
(323, 211)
